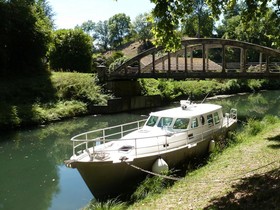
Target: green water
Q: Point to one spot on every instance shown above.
(33, 175)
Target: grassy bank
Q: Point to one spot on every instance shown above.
(46, 98)
(49, 97)
(245, 175)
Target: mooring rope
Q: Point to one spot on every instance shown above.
(153, 173)
(227, 179)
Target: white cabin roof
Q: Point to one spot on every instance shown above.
(190, 111)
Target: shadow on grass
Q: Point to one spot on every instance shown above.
(256, 192)
(18, 93)
(276, 145)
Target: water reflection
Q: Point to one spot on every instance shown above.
(32, 172)
(33, 175)
(254, 105)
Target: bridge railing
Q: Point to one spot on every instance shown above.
(202, 58)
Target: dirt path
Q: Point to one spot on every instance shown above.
(246, 176)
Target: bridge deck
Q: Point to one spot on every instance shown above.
(215, 61)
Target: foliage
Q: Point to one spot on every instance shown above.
(25, 36)
(199, 23)
(119, 26)
(116, 63)
(253, 127)
(168, 14)
(150, 186)
(71, 51)
(114, 56)
(46, 98)
(256, 30)
(88, 27)
(149, 87)
(101, 35)
(108, 205)
(142, 28)
(77, 86)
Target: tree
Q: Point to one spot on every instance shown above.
(71, 51)
(259, 30)
(101, 35)
(167, 15)
(25, 36)
(88, 27)
(199, 23)
(143, 27)
(119, 26)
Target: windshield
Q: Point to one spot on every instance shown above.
(165, 121)
(152, 121)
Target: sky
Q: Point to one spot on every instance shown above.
(69, 13)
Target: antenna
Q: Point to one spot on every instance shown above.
(205, 98)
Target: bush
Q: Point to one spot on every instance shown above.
(71, 51)
(118, 62)
(78, 86)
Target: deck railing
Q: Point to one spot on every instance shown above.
(100, 136)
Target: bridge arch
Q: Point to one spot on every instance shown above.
(182, 64)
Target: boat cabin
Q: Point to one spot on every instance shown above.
(188, 116)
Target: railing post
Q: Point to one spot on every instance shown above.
(139, 66)
(169, 62)
(260, 61)
(186, 59)
(267, 64)
(243, 60)
(203, 57)
(177, 62)
(223, 59)
(191, 60)
(154, 66)
(135, 147)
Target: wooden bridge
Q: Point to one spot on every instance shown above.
(202, 58)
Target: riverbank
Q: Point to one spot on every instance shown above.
(40, 99)
(245, 175)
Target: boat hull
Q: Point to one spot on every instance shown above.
(106, 179)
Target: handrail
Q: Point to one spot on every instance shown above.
(75, 138)
(85, 140)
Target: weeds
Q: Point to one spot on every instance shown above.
(113, 204)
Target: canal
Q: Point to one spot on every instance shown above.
(33, 175)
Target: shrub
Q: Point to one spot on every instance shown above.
(71, 51)
(118, 62)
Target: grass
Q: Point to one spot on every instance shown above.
(46, 98)
(245, 175)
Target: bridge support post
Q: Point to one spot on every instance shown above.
(101, 73)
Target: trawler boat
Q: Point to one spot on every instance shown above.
(104, 157)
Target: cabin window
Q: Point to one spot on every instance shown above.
(165, 121)
(210, 119)
(194, 123)
(152, 121)
(181, 123)
(216, 118)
